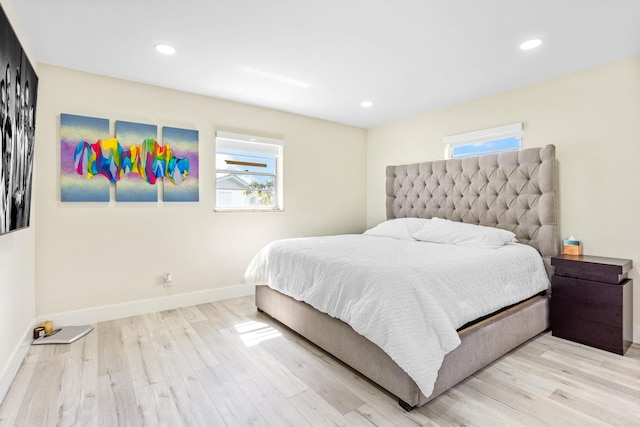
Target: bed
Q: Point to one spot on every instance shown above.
(514, 191)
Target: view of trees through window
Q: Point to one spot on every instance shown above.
(264, 191)
(246, 179)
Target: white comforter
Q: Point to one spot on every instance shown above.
(407, 297)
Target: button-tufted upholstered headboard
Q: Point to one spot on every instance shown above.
(515, 191)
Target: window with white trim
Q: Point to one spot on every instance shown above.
(248, 172)
(486, 141)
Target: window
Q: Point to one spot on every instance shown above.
(494, 140)
(248, 172)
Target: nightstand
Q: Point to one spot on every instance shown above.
(591, 301)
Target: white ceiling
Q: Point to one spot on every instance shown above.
(407, 56)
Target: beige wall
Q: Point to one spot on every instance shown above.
(89, 255)
(16, 268)
(591, 117)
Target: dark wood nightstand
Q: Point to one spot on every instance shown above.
(591, 301)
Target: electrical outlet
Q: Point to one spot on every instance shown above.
(168, 280)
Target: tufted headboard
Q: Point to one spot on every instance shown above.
(515, 191)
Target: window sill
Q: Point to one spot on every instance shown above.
(236, 210)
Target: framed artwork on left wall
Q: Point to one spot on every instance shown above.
(19, 90)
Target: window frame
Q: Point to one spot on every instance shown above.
(514, 130)
(252, 144)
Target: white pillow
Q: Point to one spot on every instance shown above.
(440, 230)
(399, 228)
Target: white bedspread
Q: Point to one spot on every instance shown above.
(407, 297)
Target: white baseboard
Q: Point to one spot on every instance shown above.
(135, 308)
(11, 368)
(115, 311)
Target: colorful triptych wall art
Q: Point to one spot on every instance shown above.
(134, 161)
(185, 142)
(133, 187)
(74, 186)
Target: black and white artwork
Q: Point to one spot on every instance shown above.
(19, 89)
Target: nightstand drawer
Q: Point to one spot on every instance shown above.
(605, 293)
(587, 267)
(575, 308)
(597, 335)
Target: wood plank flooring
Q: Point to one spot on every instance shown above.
(224, 364)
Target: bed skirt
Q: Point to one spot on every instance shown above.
(481, 343)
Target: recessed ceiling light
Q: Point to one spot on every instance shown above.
(366, 104)
(531, 44)
(165, 49)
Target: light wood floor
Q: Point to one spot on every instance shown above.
(225, 364)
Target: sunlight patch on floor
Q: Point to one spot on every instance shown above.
(253, 332)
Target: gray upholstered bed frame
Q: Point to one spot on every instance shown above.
(514, 191)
